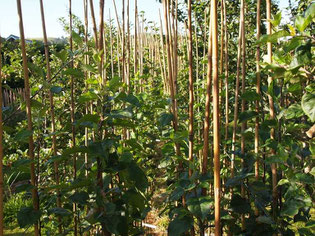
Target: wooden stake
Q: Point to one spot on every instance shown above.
(1, 149)
(29, 116)
(191, 91)
(52, 110)
(216, 119)
(272, 116)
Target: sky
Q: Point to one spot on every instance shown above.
(54, 9)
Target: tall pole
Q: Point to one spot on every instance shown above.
(191, 90)
(52, 110)
(1, 150)
(216, 118)
(272, 115)
(29, 116)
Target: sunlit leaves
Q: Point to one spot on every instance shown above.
(308, 105)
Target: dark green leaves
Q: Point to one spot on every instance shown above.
(180, 225)
(56, 89)
(165, 119)
(80, 197)
(200, 207)
(239, 204)
(136, 174)
(250, 96)
(28, 216)
(23, 135)
(247, 115)
(89, 120)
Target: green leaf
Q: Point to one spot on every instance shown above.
(294, 111)
(247, 115)
(89, 120)
(302, 22)
(310, 11)
(27, 216)
(59, 211)
(308, 105)
(200, 207)
(276, 19)
(180, 225)
(135, 199)
(273, 38)
(76, 38)
(80, 198)
(89, 68)
(283, 181)
(87, 97)
(239, 204)
(56, 89)
(115, 83)
(165, 119)
(23, 135)
(136, 174)
(250, 96)
(74, 72)
(177, 194)
(264, 220)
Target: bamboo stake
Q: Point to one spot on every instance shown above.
(52, 110)
(191, 92)
(86, 76)
(135, 60)
(226, 57)
(163, 53)
(257, 90)
(170, 75)
(1, 149)
(243, 126)
(101, 43)
(123, 43)
(72, 112)
(272, 116)
(94, 23)
(216, 119)
(118, 24)
(29, 116)
(128, 52)
(206, 125)
(236, 95)
(111, 45)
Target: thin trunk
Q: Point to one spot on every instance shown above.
(216, 119)
(52, 110)
(206, 125)
(236, 95)
(101, 42)
(1, 150)
(258, 92)
(128, 51)
(272, 116)
(226, 57)
(29, 116)
(94, 23)
(135, 60)
(111, 45)
(163, 53)
(72, 112)
(191, 91)
(243, 127)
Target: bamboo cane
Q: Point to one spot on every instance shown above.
(216, 119)
(29, 116)
(1, 149)
(272, 116)
(191, 91)
(52, 110)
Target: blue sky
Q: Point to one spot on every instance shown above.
(55, 9)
